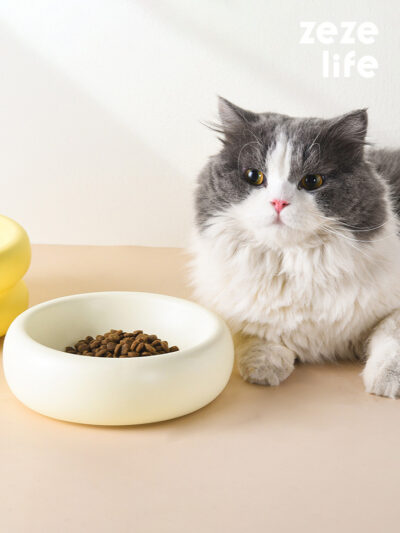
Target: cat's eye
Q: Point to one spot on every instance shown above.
(254, 176)
(310, 182)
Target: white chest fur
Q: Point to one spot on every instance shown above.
(320, 301)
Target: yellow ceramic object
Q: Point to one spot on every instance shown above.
(12, 303)
(15, 253)
(15, 257)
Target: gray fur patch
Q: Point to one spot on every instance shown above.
(352, 192)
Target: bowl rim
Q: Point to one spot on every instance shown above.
(21, 319)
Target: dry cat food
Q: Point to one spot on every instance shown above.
(118, 343)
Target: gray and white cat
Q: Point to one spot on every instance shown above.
(297, 244)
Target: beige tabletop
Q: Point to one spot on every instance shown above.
(316, 454)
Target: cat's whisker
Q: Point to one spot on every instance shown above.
(334, 229)
(351, 244)
(368, 241)
(252, 133)
(359, 250)
(241, 150)
(354, 228)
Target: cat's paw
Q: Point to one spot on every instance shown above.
(382, 376)
(264, 364)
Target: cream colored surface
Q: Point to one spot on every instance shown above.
(316, 454)
(117, 391)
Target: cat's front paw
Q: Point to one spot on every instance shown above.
(382, 377)
(263, 363)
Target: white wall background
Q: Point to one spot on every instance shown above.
(101, 102)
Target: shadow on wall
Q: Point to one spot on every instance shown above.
(72, 172)
(270, 69)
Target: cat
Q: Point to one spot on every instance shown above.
(296, 244)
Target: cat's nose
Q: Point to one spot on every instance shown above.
(279, 205)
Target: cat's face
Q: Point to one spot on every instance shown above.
(283, 180)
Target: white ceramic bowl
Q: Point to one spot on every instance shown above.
(93, 390)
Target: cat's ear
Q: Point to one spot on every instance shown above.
(345, 135)
(351, 127)
(233, 117)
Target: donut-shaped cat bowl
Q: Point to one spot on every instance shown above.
(117, 391)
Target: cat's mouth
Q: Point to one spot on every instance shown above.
(278, 221)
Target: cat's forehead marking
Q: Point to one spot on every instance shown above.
(278, 160)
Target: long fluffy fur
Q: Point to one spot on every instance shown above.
(312, 299)
(318, 299)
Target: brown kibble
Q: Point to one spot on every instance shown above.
(94, 344)
(124, 349)
(149, 348)
(134, 345)
(118, 343)
(83, 346)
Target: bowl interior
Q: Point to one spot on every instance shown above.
(62, 322)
